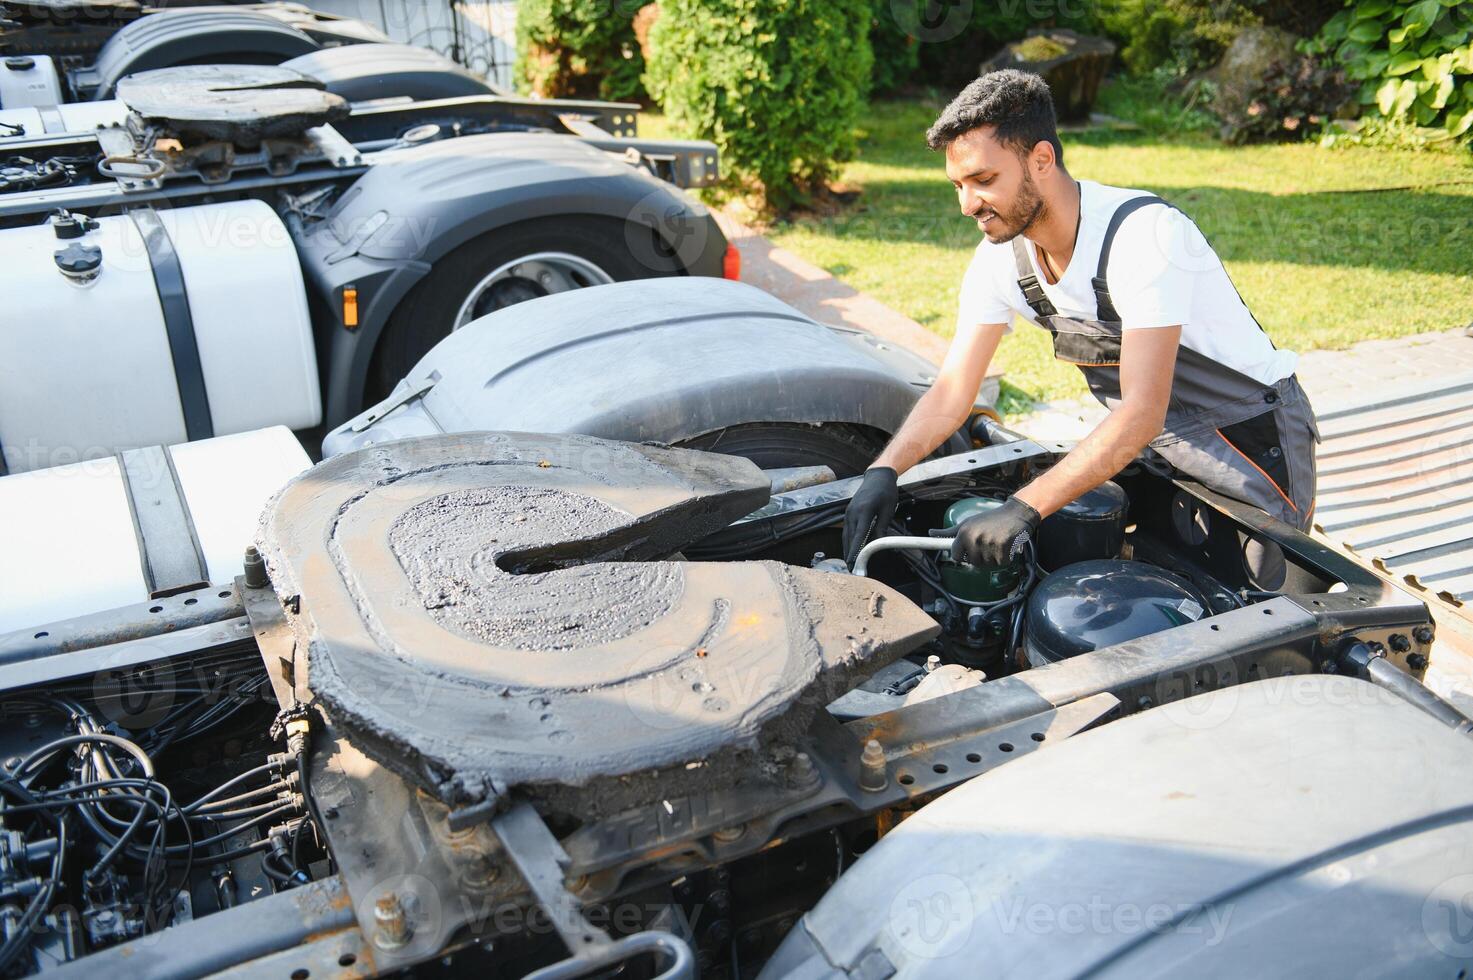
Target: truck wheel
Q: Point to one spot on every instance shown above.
(845, 448)
(501, 268)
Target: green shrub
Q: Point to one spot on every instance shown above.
(1291, 102)
(579, 49)
(778, 85)
(1413, 60)
(1180, 36)
(897, 52)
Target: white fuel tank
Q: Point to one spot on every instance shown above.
(74, 546)
(93, 361)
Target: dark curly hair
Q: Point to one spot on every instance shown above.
(1017, 102)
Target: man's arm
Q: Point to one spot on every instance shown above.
(1147, 361)
(942, 409)
(935, 416)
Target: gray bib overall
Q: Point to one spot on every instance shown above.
(1246, 440)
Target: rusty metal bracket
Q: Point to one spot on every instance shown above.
(542, 863)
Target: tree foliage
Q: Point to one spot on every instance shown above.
(1412, 58)
(579, 49)
(778, 85)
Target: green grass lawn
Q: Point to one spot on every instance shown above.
(1319, 267)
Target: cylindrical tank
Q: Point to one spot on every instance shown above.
(975, 583)
(28, 80)
(1089, 527)
(1094, 604)
(87, 361)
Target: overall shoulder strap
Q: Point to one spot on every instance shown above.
(1106, 306)
(1033, 292)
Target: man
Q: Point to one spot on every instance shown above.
(1133, 295)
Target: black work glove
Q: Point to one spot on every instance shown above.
(996, 537)
(870, 510)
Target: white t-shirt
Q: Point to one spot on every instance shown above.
(1162, 273)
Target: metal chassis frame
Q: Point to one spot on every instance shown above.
(593, 122)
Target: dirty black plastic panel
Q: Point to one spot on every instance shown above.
(360, 73)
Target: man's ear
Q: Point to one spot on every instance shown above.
(1041, 158)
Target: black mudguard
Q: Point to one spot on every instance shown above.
(182, 37)
(659, 359)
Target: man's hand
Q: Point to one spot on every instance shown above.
(996, 537)
(870, 509)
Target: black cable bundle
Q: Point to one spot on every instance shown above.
(100, 789)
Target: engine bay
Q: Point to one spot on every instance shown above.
(506, 702)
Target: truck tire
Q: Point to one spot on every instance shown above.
(488, 273)
(845, 448)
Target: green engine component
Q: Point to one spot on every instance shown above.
(976, 583)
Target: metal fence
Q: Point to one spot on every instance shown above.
(479, 34)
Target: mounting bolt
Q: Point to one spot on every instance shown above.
(1417, 661)
(802, 771)
(391, 926)
(1399, 642)
(1422, 634)
(1143, 702)
(932, 662)
(255, 569)
(727, 835)
(873, 776)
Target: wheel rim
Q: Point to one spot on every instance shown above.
(538, 274)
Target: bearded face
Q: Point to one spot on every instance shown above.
(994, 186)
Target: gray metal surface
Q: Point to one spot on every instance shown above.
(152, 630)
(694, 354)
(168, 545)
(234, 102)
(487, 611)
(304, 916)
(1309, 826)
(1396, 486)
